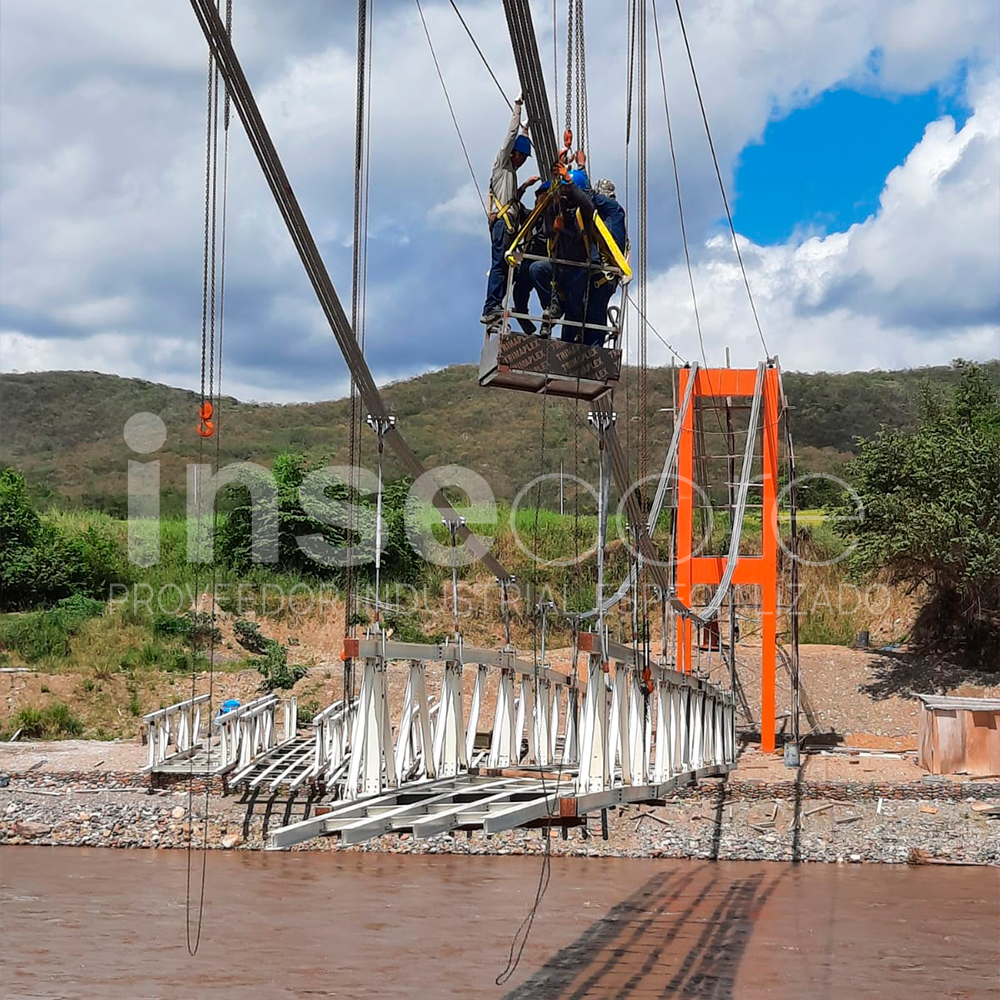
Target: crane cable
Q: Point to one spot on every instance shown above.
(212, 322)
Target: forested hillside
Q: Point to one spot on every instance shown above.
(64, 429)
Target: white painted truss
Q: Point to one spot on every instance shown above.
(642, 730)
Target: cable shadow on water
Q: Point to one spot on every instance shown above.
(643, 942)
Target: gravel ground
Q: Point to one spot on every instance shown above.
(815, 829)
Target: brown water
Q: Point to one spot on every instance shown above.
(110, 924)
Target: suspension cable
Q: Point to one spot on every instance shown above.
(489, 69)
(451, 110)
(682, 220)
(718, 174)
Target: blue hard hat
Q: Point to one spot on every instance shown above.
(579, 178)
(522, 144)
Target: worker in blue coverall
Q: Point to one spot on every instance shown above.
(505, 215)
(561, 286)
(603, 285)
(579, 292)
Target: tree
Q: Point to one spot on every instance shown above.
(294, 521)
(40, 564)
(931, 515)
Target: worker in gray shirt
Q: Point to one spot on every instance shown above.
(505, 215)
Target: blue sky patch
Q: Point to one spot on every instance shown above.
(822, 167)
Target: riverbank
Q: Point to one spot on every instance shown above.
(762, 812)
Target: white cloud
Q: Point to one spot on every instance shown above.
(916, 283)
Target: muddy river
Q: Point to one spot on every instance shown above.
(111, 924)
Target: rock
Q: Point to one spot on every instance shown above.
(928, 809)
(231, 841)
(29, 830)
(178, 812)
(981, 807)
(4, 779)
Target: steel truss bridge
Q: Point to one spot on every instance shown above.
(552, 748)
(556, 748)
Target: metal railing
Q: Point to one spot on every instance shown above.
(178, 724)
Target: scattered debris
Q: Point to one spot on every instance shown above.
(818, 809)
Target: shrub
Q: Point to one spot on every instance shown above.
(41, 563)
(406, 628)
(274, 667)
(194, 627)
(282, 510)
(36, 635)
(249, 636)
(306, 712)
(55, 721)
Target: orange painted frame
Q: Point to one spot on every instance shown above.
(759, 570)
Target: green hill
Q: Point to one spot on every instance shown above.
(64, 429)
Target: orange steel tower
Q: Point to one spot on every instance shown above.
(760, 571)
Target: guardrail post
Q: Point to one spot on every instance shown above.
(571, 730)
(477, 698)
(502, 742)
(636, 729)
(449, 737)
(595, 773)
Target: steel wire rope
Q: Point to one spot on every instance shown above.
(520, 937)
(555, 63)
(361, 330)
(351, 605)
(451, 110)
(208, 322)
(489, 69)
(642, 404)
(568, 110)
(656, 333)
(679, 197)
(217, 413)
(681, 217)
(718, 174)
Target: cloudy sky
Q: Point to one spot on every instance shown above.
(859, 141)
